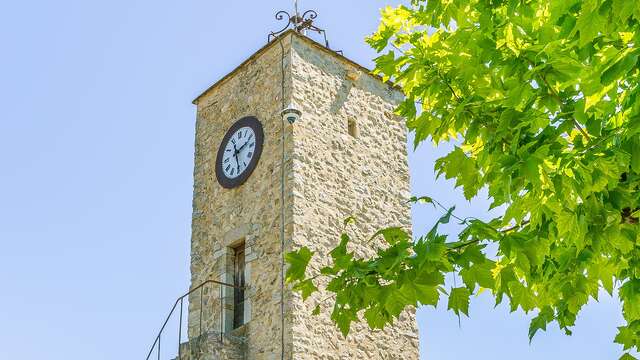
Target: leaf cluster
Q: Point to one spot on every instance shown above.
(541, 97)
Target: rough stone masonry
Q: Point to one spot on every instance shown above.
(346, 156)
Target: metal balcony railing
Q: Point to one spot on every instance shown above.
(156, 346)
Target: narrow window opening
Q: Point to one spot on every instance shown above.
(238, 280)
(352, 127)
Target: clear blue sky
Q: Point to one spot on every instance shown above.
(96, 157)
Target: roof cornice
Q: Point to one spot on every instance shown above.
(308, 41)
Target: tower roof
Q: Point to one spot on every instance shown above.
(307, 40)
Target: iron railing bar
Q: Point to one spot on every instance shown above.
(180, 332)
(213, 308)
(159, 346)
(201, 311)
(221, 316)
(162, 328)
(182, 297)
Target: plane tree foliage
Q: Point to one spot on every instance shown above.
(541, 99)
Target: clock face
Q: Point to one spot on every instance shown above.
(239, 152)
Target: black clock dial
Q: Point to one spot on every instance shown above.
(239, 152)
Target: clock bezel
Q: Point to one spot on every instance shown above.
(256, 126)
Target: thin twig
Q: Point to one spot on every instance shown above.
(504, 231)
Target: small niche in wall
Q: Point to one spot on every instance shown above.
(352, 127)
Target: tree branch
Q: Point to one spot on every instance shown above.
(503, 231)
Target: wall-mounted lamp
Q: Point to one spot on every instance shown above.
(291, 114)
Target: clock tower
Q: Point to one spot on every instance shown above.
(266, 184)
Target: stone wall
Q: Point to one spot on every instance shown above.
(337, 175)
(329, 176)
(212, 346)
(223, 218)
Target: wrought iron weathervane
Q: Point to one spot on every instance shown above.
(299, 23)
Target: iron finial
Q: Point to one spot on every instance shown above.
(299, 23)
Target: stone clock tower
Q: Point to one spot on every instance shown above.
(345, 155)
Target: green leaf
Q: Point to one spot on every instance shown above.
(511, 40)
(343, 317)
(635, 156)
(480, 274)
(328, 270)
(521, 296)
(298, 261)
(459, 300)
(540, 322)
(392, 235)
(589, 22)
(305, 288)
(386, 64)
(341, 257)
(619, 68)
(531, 170)
(594, 98)
(394, 304)
(391, 22)
(429, 276)
(376, 318)
(626, 337)
(316, 310)
(349, 221)
(622, 9)
(627, 356)
(427, 295)
(461, 167)
(421, 200)
(380, 39)
(630, 295)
